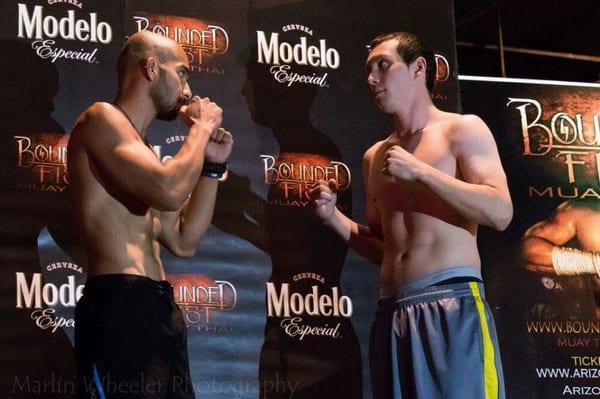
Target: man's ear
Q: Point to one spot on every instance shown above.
(419, 67)
(149, 68)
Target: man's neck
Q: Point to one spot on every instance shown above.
(139, 110)
(414, 117)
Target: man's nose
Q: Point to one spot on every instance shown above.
(372, 80)
(187, 93)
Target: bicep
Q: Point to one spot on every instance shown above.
(477, 155)
(123, 161)
(558, 230)
(132, 165)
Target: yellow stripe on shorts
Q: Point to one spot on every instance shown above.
(489, 363)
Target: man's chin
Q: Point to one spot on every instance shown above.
(168, 115)
(386, 108)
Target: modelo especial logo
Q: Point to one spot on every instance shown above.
(306, 51)
(51, 303)
(292, 307)
(44, 29)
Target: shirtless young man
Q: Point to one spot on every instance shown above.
(130, 337)
(568, 244)
(429, 185)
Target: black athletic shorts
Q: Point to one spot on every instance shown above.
(130, 340)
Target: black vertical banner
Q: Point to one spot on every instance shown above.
(548, 134)
(276, 305)
(58, 58)
(309, 340)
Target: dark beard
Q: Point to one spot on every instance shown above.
(168, 115)
(166, 110)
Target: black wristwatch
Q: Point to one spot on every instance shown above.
(214, 170)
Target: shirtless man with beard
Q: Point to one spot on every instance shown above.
(130, 337)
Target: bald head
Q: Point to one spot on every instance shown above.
(142, 45)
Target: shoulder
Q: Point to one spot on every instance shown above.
(105, 114)
(99, 113)
(467, 134)
(469, 126)
(566, 214)
(99, 117)
(370, 153)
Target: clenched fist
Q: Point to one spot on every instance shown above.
(202, 111)
(324, 198)
(401, 164)
(219, 146)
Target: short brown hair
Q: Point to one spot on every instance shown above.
(409, 48)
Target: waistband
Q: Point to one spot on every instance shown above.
(431, 279)
(444, 291)
(110, 282)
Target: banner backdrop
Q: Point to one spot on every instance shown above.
(50, 71)
(548, 135)
(290, 79)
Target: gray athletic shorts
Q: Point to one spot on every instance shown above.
(436, 342)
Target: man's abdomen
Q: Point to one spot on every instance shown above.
(427, 249)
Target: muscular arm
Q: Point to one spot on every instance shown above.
(366, 240)
(182, 230)
(483, 196)
(124, 159)
(542, 237)
(359, 237)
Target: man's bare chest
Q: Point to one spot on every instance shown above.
(393, 194)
